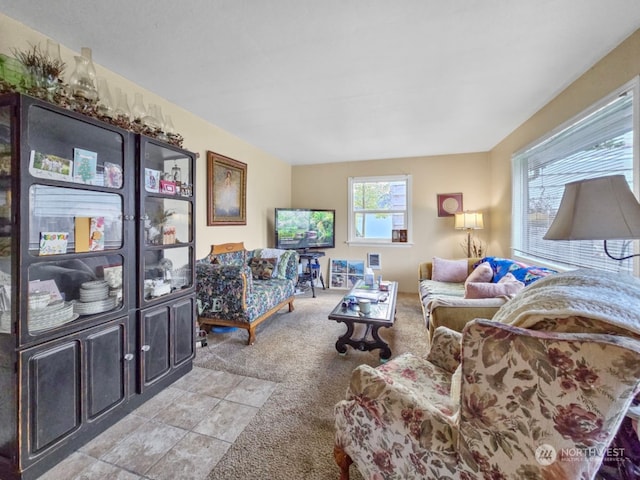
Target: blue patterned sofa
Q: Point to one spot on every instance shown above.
(230, 294)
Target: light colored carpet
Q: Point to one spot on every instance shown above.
(291, 437)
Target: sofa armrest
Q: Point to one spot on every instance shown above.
(455, 313)
(445, 349)
(371, 390)
(222, 287)
(291, 268)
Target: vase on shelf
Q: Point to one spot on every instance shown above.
(138, 111)
(122, 105)
(105, 100)
(169, 129)
(80, 82)
(150, 119)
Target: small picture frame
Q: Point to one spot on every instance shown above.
(151, 180)
(373, 261)
(43, 165)
(449, 204)
(85, 167)
(399, 235)
(112, 175)
(167, 187)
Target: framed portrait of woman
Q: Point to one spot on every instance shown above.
(226, 190)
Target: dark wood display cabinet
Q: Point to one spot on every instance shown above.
(97, 293)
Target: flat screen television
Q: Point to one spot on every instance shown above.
(305, 228)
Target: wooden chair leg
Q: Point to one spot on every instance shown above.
(252, 336)
(343, 460)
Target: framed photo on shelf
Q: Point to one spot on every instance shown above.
(48, 286)
(53, 243)
(226, 190)
(85, 167)
(167, 187)
(399, 235)
(112, 274)
(112, 175)
(151, 180)
(43, 165)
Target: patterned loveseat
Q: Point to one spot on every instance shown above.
(539, 392)
(234, 288)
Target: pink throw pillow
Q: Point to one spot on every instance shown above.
(454, 271)
(491, 290)
(482, 273)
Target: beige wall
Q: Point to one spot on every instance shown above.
(483, 178)
(614, 70)
(325, 186)
(268, 178)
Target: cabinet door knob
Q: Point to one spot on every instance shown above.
(146, 348)
(128, 356)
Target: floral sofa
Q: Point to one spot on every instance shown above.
(452, 291)
(240, 288)
(539, 392)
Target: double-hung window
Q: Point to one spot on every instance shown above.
(378, 206)
(598, 142)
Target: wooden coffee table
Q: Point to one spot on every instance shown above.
(382, 314)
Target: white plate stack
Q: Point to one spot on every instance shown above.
(94, 298)
(53, 315)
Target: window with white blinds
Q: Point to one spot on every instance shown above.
(597, 143)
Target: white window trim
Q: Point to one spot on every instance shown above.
(516, 170)
(351, 238)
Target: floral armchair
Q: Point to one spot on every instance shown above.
(500, 401)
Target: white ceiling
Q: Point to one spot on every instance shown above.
(316, 81)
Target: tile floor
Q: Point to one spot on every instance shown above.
(179, 434)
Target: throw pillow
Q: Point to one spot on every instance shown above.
(275, 253)
(262, 268)
(453, 271)
(507, 288)
(530, 274)
(231, 258)
(482, 273)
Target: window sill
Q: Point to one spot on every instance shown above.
(380, 244)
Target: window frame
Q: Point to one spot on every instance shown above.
(519, 182)
(352, 239)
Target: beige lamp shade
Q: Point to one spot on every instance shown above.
(602, 208)
(469, 221)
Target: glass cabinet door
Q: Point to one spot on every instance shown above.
(77, 244)
(166, 230)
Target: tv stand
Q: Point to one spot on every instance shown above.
(312, 270)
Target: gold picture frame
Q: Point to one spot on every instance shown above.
(226, 190)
